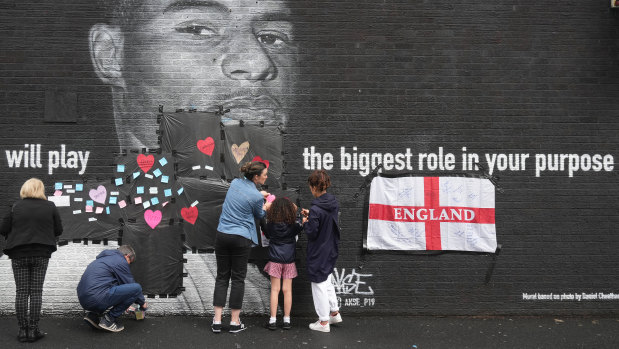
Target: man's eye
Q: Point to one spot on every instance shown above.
(198, 31)
(272, 39)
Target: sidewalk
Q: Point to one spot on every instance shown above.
(355, 332)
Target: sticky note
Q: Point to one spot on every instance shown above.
(167, 192)
(163, 161)
(165, 179)
(88, 209)
(122, 204)
(120, 168)
(77, 211)
(113, 200)
(58, 193)
(139, 190)
(92, 219)
(149, 176)
(118, 181)
(114, 193)
(90, 203)
(78, 199)
(99, 210)
(79, 187)
(153, 190)
(135, 175)
(180, 191)
(107, 210)
(154, 201)
(194, 203)
(138, 200)
(146, 204)
(58, 186)
(197, 167)
(157, 172)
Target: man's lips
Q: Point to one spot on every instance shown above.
(252, 108)
(254, 103)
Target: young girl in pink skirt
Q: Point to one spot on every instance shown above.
(281, 230)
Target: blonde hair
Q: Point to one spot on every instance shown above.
(33, 188)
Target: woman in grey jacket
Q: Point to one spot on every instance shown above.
(30, 229)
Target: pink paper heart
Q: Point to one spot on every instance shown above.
(152, 218)
(98, 195)
(270, 198)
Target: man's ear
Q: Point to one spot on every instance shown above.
(106, 52)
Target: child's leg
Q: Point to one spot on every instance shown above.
(321, 300)
(275, 287)
(333, 306)
(287, 289)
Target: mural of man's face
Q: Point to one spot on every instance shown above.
(202, 54)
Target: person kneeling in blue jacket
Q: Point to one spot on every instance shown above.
(108, 283)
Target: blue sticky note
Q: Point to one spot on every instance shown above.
(58, 186)
(157, 172)
(112, 200)
(79, 187)
(118, 181)
(163, 161)
(167, 192)
(165, 179)
(107, 209)
(90, 203)
(135, 175)
(180, 191)
(120, 168)
(140, 190)
(154, 201)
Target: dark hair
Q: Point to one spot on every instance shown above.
(282, 211)
(253, 168)
(319, 180)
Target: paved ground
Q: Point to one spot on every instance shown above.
(355, 332)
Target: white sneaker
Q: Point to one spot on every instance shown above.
(317, 326)
(335, 319)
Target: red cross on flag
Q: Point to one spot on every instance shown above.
(431, 213)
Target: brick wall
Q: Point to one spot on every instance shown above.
(499, 77)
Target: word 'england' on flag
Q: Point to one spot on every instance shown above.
(431, 213)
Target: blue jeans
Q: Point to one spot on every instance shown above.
(121, 297)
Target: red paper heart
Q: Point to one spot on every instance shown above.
(146, 162)
(190, 214)
(257, 158)
(206, 145)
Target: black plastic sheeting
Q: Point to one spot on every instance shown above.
(166, 201)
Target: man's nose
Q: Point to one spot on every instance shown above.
(248, 60)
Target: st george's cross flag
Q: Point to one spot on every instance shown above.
(431, 213)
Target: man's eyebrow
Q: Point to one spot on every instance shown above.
(184, 4)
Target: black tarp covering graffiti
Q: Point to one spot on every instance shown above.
(168, 200)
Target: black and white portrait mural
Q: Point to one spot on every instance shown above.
(471, 145)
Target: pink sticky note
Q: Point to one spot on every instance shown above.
(137, 200)
(58, 193)
(99, 210)
(122, 204)
(88, 209)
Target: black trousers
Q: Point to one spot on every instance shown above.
(29, 273)
(232, 254)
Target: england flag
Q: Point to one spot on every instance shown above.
(431, 213)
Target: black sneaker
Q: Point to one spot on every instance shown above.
(92, 320)
(271, 326)
(216, 327)
(237, 328)
(287, 325)
(109, 324)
